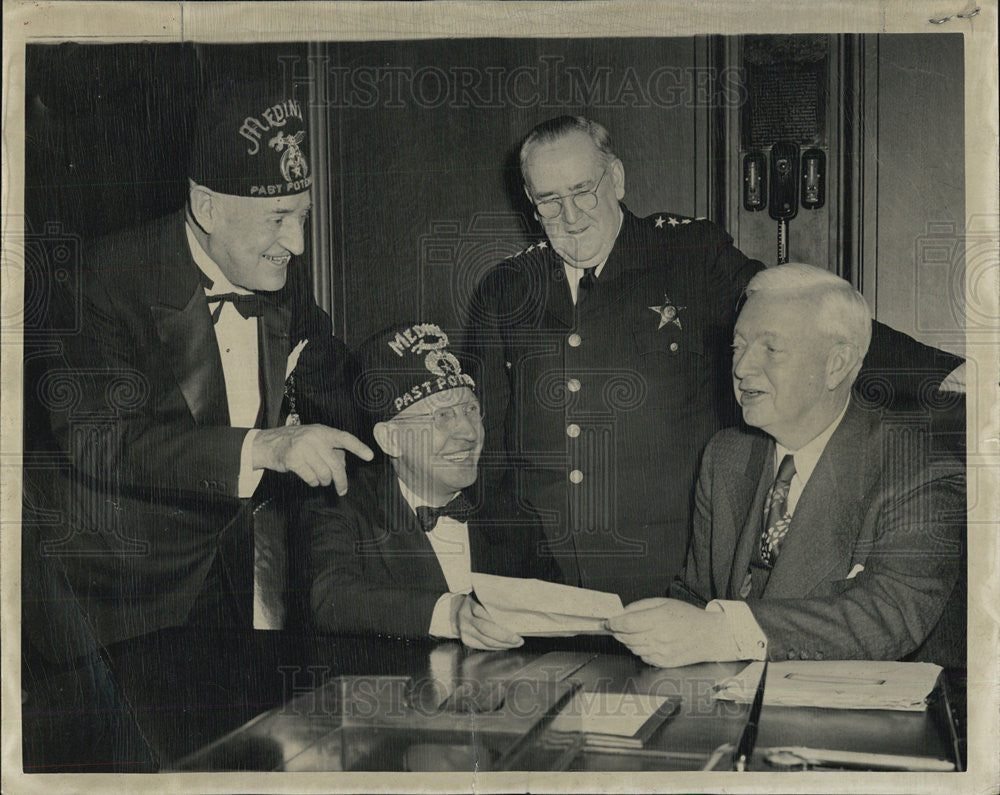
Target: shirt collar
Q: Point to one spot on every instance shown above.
(220, 284)
(573, 275)
(413, 499)
(807, 456)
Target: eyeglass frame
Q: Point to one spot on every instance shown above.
(424, 415)
(574, 196)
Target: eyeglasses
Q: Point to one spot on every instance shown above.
(585, 200)
(446, 418)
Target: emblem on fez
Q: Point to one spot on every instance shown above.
(293, 163)
(438, 360)
(668, 313)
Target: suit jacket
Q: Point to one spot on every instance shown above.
(375, 571)
(880, 497)
(138, 407)
(652, 391)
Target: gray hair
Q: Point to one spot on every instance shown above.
(561, 126)
(841, 311)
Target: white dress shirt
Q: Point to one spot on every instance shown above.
(237, 340)
(573, 275)
(749, 638)
(450, 542)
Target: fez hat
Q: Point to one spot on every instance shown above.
(251, 139)
(404, 364)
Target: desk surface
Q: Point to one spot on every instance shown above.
(291, 704)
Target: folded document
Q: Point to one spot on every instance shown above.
(536, 607)
(838, 684)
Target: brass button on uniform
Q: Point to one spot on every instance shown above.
(576, 476)
(574, 340)
(573, 385)
(572, 430)
(674, 347)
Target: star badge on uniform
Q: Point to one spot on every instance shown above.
(668, 313)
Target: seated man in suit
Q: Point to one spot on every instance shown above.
(396, 555)
(832, 535)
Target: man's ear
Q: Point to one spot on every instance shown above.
(842, 363)
(204, 207)
(618, 178)
(386, 438)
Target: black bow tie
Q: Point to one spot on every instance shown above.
(458, 509)
(248, 305)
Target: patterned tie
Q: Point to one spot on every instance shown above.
(585, 285)
(458, 509)
(776, 522)
(776, 519)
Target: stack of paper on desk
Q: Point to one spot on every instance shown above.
(838, 684)
(536, 607)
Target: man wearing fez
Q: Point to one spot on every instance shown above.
(396, 556)
(603, 355)
(191, 326)
(825, 530)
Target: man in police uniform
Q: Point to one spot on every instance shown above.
(603, 352)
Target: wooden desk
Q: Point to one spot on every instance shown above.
(327, 719)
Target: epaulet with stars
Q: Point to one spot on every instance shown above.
(539, 246)
(667, 220)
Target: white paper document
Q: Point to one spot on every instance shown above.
(839, 684)
(536, 607)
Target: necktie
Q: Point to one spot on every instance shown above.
(248, 305)
(458, 509)
(776, 523)
(776, 518)
(585, 285)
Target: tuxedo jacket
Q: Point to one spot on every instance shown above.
(602, 410)
(374, 569)
(881, 497)
(138, 408)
